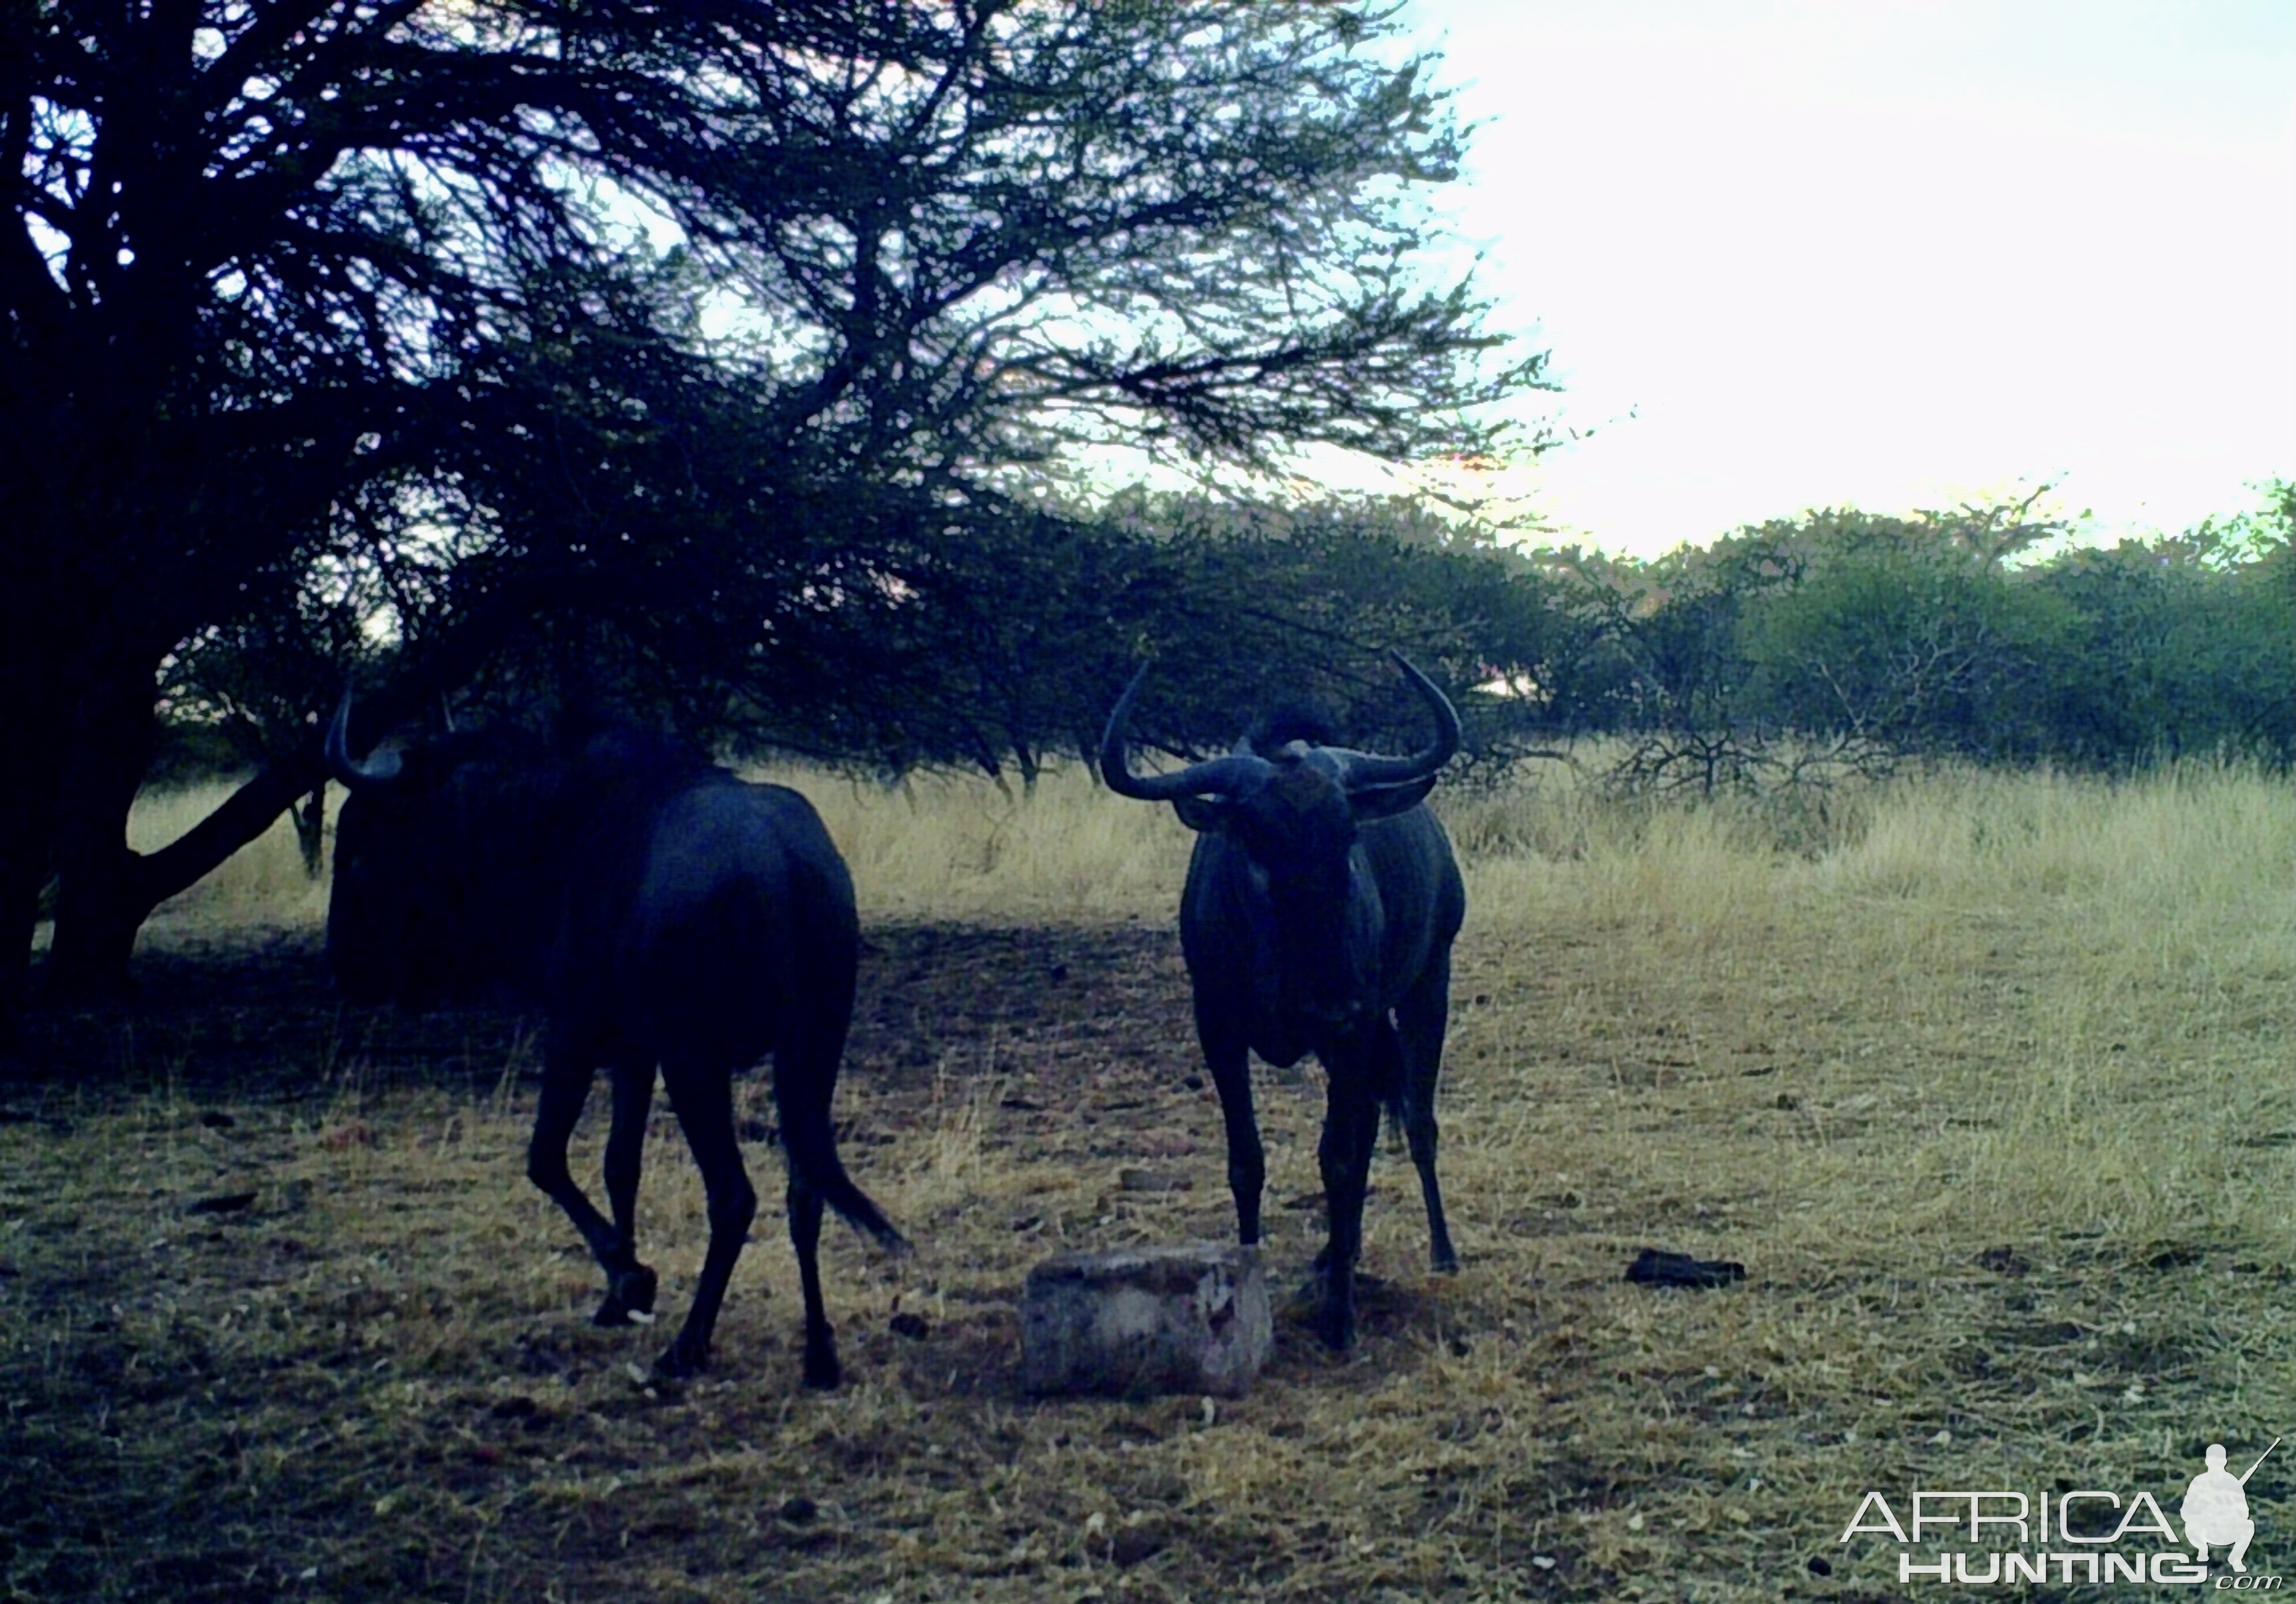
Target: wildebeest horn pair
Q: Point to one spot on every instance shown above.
(1242, 770)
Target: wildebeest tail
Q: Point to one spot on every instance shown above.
(811, 1146)
(1387, 1085)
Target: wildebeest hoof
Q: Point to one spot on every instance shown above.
(629, 1296)
(1445, 1264)
(1317, 1288)
(822, 1371)
(1337, 1328)
(682, 1360)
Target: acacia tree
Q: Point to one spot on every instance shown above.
(1911, 634)
(280, 276)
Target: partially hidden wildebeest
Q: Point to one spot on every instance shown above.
(661, 913)
(1320, 907)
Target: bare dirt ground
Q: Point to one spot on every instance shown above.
(280, 1317)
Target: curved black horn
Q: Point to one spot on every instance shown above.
(380, 768)
(1230, 773)
(1364, 769)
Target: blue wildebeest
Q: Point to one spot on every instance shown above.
(1318, 916)
(660, 912)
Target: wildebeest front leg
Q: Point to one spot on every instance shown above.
(703, 1097)
(1419, 1018)
(1229, 1060)
(630, 1286)
(1350, 1131)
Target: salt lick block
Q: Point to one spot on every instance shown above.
(1188, 1319)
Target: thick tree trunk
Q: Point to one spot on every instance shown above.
(30, 779)
(96, 921)
(24, 833)
(96, 929)
(108, 891)
(96, 915)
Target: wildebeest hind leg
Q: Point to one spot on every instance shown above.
(703, 1097)
(565, 1088)
(805, 1204)
(630, 1285)
(1420, 1019)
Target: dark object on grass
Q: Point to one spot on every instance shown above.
(1655, 1267)
(226, 1203)
(1320, 907)
(661, 913)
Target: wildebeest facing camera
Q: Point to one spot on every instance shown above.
(1321, 904)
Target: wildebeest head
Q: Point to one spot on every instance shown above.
(418, 914)
(1295, 811)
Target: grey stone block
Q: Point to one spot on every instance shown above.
(1187, 1319)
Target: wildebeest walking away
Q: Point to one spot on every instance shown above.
(662, 912)
(1321, 904)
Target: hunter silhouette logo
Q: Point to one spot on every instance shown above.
(2095, 1534)
(2215, 1510)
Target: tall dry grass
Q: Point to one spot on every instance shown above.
(955, 846)
(2168, 874)
(2069, 996)
(2092, 975)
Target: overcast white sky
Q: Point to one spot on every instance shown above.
(1893, 253)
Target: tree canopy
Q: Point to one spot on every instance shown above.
(695, 340)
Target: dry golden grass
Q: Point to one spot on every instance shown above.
(951, 848)
(264, 883)
(1985, 1079)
